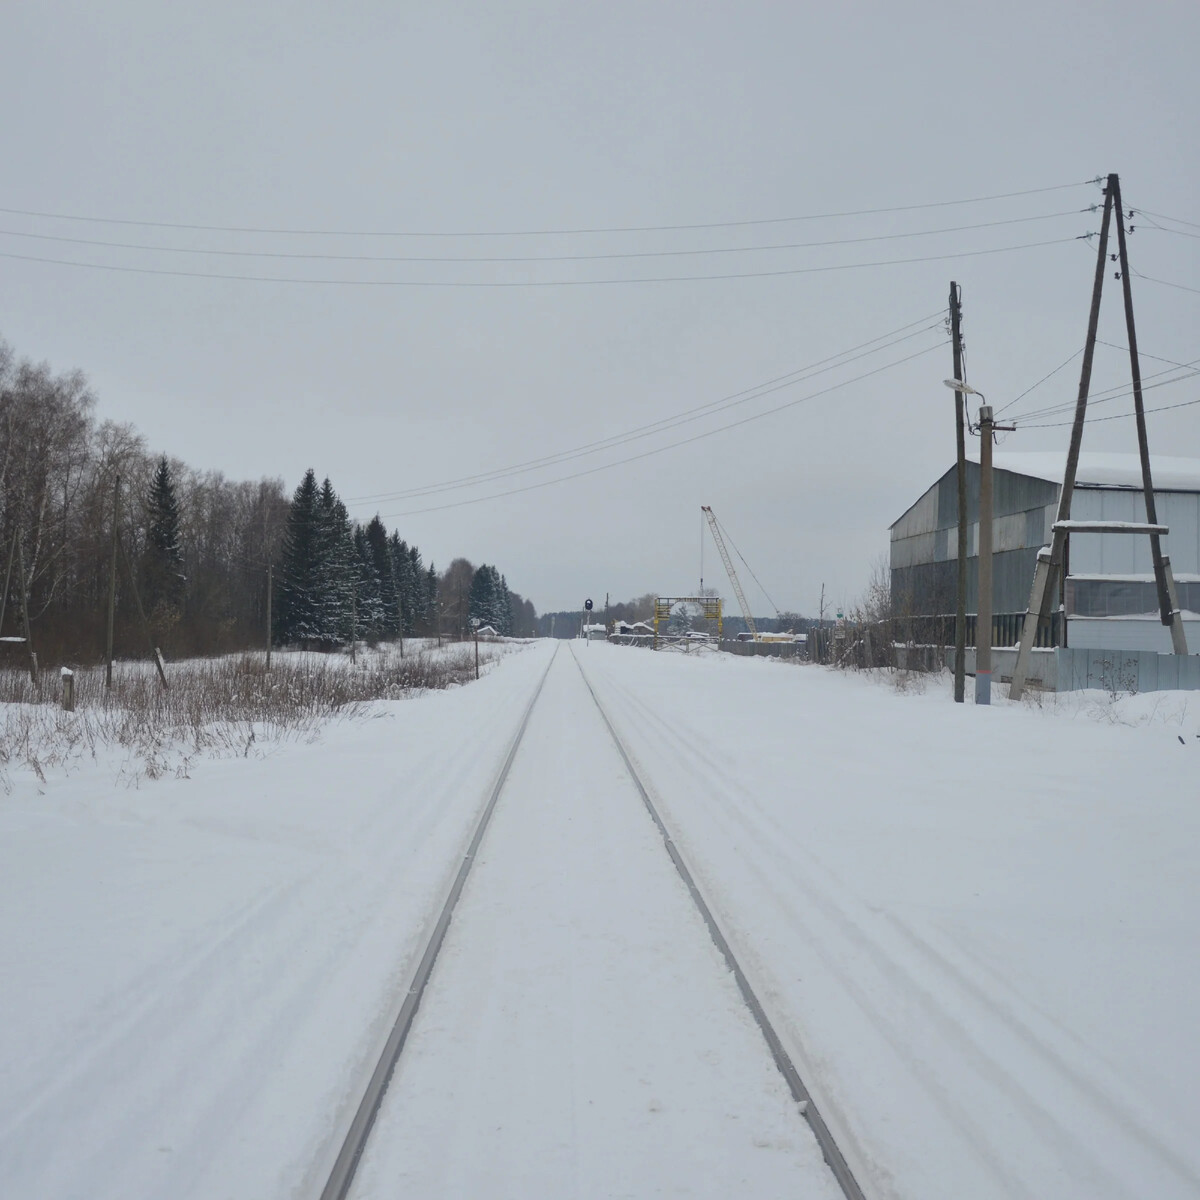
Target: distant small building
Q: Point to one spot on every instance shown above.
(595, 633)
(632, 633)
(632, 628)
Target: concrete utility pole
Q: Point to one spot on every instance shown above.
(960, 612)
(983, 619)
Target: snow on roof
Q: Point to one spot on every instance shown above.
(1104, 469)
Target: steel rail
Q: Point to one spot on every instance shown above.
(834, 1157)
(337, 1187)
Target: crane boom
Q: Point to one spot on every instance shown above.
(733, 579)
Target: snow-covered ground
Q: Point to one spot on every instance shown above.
(198, 973)
(581, 1035)
(977, 926)
(974, 928)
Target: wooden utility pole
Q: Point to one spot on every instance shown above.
(1046, 576)
(960, 611)
(33, 663)
(12, 550)
(270, 589)
(112, 587)
(1168, 604)
(354, 624)
(155, 653)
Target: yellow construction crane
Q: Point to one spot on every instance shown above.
(733, 579)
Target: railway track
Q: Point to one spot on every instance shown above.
(340, 1180)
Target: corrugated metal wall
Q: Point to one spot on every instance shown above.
(925, 542)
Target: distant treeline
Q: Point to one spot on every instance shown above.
(196, 546)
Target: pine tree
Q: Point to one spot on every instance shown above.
(369, 604)
(162, 577)
(429, 600)
(298, 615)
(504, 598)
(398, 554)
(380, 551)
(481, 600)
(339, 568)
(422, 591)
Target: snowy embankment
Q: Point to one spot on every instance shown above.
(978, 927)
(213, 707)
(198, 974)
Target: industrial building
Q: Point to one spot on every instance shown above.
(1107, 598)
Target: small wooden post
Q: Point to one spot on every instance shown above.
(68, 690)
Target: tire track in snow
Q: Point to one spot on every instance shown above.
(1040, 1113)
(229, 994)
(341, 1175)
(834, 1156)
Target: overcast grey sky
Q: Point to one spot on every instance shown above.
(471, 118)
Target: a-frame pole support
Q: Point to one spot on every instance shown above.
(1168, 605)
(1049, 560)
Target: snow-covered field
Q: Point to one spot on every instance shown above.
(975, 929)
(979, 926)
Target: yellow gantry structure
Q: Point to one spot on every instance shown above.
(710, 607)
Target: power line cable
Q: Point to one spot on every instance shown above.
(1104, 395)
(524, 283)
(1141, 353)
(1039, 383)
(737, 224)
(1099, 396)
(1163, 217)
(1106, 399)
(1154, 225)
(527, 258)
(1183, 287)
(789, 379)
(1123, 416)
(748, 567)
(669, 446)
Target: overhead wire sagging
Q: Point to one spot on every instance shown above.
(735, 399)
(529, 283)
(550, 232)
(670, 445)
